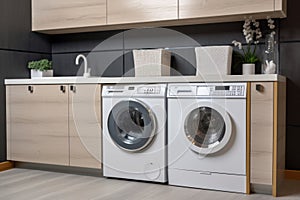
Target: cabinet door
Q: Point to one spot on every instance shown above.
(262, 132)
(63, 14)
(132, 11)
(85, 125)
(37, 124)
(214, 8)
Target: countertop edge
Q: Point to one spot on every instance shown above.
(132, 80)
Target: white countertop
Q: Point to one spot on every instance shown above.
(162, 79)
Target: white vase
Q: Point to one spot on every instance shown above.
(248, 68)
(40, 74)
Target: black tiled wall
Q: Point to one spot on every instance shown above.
(290, 67)
(17, 46)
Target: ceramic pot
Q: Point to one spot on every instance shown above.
(40, 74)
(248, 68)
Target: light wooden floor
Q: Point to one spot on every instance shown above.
(19, 184)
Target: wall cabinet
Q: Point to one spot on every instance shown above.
(66, 14)
(137, 11)
(54, 124)
(267, 157)
(215, 8)
(70, 16)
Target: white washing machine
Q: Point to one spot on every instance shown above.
(207, 136)
(134, 132)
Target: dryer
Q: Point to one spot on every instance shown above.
(207, 136)
(134, 132)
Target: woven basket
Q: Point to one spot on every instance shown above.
(154, 62)
(213, 60)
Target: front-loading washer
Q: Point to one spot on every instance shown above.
(134, 132)
(207, 136)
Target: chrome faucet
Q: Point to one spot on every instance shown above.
(87, 70)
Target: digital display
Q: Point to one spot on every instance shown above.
(222, 87)
(130, 88)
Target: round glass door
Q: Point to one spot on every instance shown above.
(207, 129)
(131, 125)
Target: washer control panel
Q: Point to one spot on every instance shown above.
(212, 90)
(226, 90)
(132, 90)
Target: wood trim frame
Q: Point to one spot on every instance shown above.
(248, 138)
(279, 137)
(6, 165)
(275, 110)
(292, 174)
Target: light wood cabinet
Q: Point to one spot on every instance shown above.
(267, 154)
(71, 16)
(64, 14)
(137, 11)
(37, 124)
(85, 125)
(215, 8)
(54, 124)
(261, 132)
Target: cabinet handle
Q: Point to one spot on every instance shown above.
(30, 88)
(63, 88)
(73, 88)
(259, 88)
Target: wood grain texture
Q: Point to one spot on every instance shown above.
(213, 8)
(281, 5)
(166, 23)
(38, 124)
(134, 11)
(6, 165)
(279, 137)
(57, 14)
(85, 125)
(261, 133)
(8, 131)
(73, 16)
(292, 174)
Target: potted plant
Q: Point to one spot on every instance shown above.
(41, 68)
(248, 56)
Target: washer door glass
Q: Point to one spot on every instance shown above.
(131, 125)
(205, 127)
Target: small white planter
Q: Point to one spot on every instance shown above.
(40, 74)
(248, 68)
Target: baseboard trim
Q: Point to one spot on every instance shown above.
(6, 165)
(292, 174)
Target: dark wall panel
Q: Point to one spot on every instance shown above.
(293, 150)
(98, 41)
(107, 63)
(15, 23)
(289, 53)
(290, 67)
(213, 34)
(290, 26)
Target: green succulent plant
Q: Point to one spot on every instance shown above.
(41, 65)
